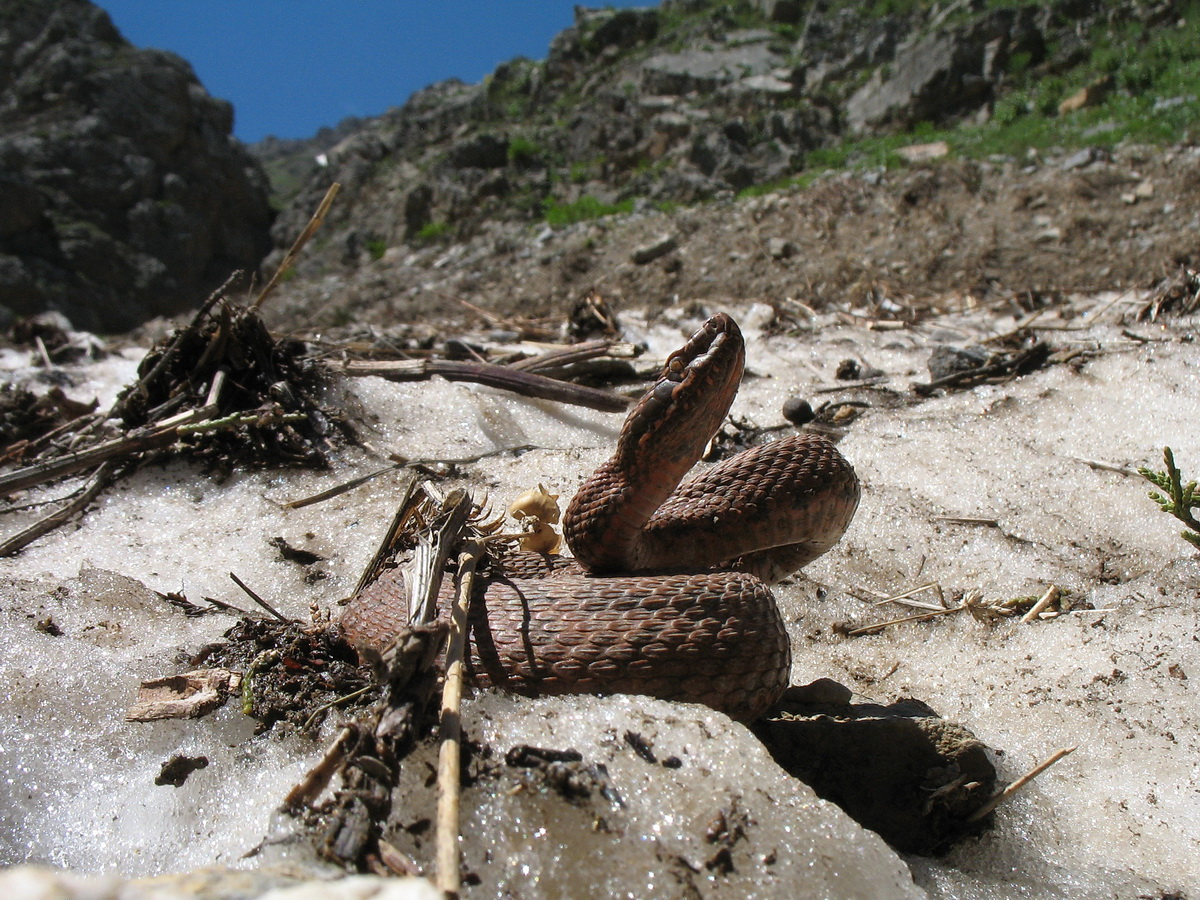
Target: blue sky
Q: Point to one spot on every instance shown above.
(291, 66)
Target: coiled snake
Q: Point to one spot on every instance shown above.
(669, 596)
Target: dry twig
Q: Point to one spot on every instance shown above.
(450, 753)
(1011, 789)
(508, 378)
(289, 260)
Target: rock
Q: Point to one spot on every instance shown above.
(706, 70)
(900, 770)
(618, 29)
(786, 12)
(798, 411)
(647, 253)
(1093, 94)
(945, 72)
(947, 360)
(124, 195)
(484, 151)
(923, 152)
(1081, 158)
(778, 248)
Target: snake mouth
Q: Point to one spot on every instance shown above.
(716, 339)
(695, 389)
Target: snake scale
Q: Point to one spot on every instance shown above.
(668, 594)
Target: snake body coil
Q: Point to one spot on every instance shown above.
(669, 596)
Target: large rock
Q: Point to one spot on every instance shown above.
(945, 73)
(125, 196)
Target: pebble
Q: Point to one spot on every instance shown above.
(797, 410)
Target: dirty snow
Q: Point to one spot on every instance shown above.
(1120, 817)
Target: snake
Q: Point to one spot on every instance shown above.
(669, 592)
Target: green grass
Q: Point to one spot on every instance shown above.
(377, 249)
(432, 232)
(522, 151)
(584, 209)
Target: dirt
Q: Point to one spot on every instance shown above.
(893, 244)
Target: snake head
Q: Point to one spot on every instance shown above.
(663, 437)
(691, 397)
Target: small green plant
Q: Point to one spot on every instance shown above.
(585, 208)
(523, 152)
(432, 231)
(377, 248)
(1177, 498)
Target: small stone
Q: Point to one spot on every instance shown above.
(652, 251)
(1084, 157)
(946, 360)
(798, 411)
(778, 248)
(848, 370)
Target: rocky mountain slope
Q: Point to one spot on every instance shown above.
(649, 123)
(124, 196)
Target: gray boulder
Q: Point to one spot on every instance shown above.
(124, 195)
(945, 73)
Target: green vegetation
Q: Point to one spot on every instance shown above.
(1177, 498)
(431, 232)
(584, 209)
(523, 152)
(376, 248)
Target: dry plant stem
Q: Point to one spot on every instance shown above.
(450, 755)
(576, 353)
(288, 261)
(429, 557)
(41, 472)
(1107, 466)
(150, 438)
(23, 539)
(259, 600)
(528, 384)
(1011, 789)
(340, 489)
(1045, 600)
(307, 790)
(404, 510)
(142, 386)
(879, 626)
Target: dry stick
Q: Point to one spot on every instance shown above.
(1011, 789)
(575, 353)
(141, 386)
(306, 791)
(1107, 466)
(259, 600)
(44, 526)
(450, 755)
(400, 462)
(506, 378)
(879, 626)
(148, 438)
(313, 224)
(41, 472)
(1045, 600)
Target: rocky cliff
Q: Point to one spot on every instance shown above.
(124, 195)
(672, 105)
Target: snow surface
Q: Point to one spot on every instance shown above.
(1119, 817)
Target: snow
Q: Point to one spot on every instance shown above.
(1119, 817)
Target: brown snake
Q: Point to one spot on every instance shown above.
(669, 597)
